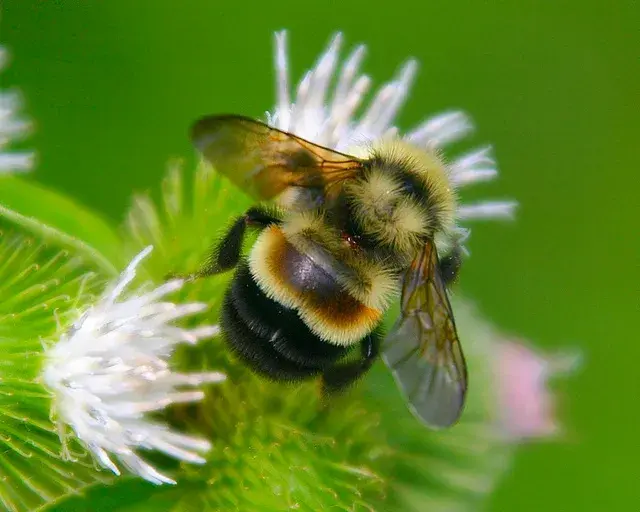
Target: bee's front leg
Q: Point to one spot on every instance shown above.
(225, 254)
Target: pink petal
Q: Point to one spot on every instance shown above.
(526, 404)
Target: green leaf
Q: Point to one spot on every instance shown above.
(53, 216)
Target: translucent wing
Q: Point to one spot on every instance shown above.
(423, 349)
(265, 161)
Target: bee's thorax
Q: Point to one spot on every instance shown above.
(402, 199)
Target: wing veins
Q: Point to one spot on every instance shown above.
(432, 373)
(266, 161)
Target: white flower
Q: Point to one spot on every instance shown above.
(112, 368)
(324, 113)
(11, 128)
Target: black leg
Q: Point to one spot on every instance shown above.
(450, 266)
(342, 375)
(226, 253)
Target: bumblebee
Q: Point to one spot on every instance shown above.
(339, 238)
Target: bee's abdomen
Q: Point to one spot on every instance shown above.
(309, 285)
(269, 337)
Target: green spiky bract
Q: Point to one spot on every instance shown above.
(275, 446)
(40, 285)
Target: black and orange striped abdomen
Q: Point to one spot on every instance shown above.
(309, 285)
(271, 338)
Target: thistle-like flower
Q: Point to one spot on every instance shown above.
(11, 128)
(325, 115)
(111, 369)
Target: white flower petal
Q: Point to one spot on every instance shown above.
(440, 130)
(346, 78)
(12, 128)
(487, 210)
(387, 103)
(282, 79)
(111, 369)
(16, 162)
(474, 167)
(321, 76)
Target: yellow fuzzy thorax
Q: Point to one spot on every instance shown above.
(387, 211)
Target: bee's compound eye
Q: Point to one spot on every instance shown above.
(412, 186)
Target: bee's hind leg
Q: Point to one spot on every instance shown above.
(342, 375)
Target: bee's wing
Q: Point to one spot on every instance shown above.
(265, 161)
(423, 349)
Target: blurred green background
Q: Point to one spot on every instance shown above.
(113, 86)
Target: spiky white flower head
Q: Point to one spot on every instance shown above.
(325, 113)
(112, 368)
(11, 128)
